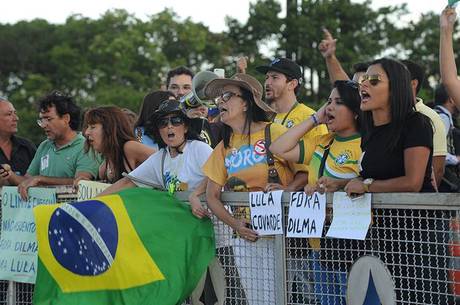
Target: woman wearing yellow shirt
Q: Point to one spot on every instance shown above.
(333, 161)
(332, 158)
(239, 163)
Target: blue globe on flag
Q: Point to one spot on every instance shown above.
(83, 237)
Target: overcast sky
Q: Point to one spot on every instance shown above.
(210, 12)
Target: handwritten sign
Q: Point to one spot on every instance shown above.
(266, 215)
(351, 218)
(306, 215)
(18, 243)
(90, 189)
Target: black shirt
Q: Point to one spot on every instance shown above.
(22, 154)
(380, 163)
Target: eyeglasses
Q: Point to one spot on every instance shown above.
(174, 120)
(373, 79)
(226, 96)
(44, 121)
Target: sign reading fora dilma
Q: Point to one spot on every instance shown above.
(306, 215)
(266, 215)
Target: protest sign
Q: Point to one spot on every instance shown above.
(90, 189)
(351, 217)
(18, 243)
(266, 215)
(306, 215)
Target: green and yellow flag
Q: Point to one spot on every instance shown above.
(137, 247)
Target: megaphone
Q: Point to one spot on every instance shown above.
(197, 96)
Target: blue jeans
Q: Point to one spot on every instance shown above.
(330, 285)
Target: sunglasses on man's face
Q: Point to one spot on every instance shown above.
(174, 120)
(373, 79)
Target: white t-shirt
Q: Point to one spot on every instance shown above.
(184, 171)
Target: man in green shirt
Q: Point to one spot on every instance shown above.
(60, 159)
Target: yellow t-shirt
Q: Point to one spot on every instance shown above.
(243, 166)
(341, 162)
(298, 114)
(439, 131)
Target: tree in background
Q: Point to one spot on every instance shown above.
(118, 58)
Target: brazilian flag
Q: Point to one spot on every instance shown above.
(139, 246)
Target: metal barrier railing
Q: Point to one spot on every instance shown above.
(411, 233)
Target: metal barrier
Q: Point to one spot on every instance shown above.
(410, 233)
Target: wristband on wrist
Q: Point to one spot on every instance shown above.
(315, 119)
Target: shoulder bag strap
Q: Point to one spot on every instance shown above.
(273, 176)
(323, 160)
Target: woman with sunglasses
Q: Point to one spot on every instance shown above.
(397, 144)
(332, 160)
(397, 141)
(177, 165)
(109, 133)
(239, 163)
(149, 105)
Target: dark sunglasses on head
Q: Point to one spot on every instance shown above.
(373, 79)
(174, 120)
(226, 96)
(351, 84)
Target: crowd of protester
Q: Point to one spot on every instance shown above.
(372, 135)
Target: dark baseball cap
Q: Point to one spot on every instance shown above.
(283, 65)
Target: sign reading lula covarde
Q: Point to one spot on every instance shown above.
(266, 214)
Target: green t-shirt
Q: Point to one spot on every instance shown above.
(63, 162)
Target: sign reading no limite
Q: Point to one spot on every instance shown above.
(18, 242)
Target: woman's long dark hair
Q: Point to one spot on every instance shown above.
(149, 105)
(349, 94)
(116, 131)
(253, 114)
(401, 101)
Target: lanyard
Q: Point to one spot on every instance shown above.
(289, 112)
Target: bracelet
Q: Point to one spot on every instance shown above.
(315, 119)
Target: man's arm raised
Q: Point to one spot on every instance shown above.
(327, 47)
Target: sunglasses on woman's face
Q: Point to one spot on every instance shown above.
(226, 96)
(174, 120)
(373, 79)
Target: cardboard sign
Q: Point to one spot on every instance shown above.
(18, 242)
(266, 214)
(90, 189)
(351, 218)
(306, 215)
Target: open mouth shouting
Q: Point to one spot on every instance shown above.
(171, 135)
(222, 110)
(329, 118)
(365, 96)
(268, 91)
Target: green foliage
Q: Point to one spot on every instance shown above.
(118, 58)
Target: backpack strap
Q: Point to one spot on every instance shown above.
(273, 176)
